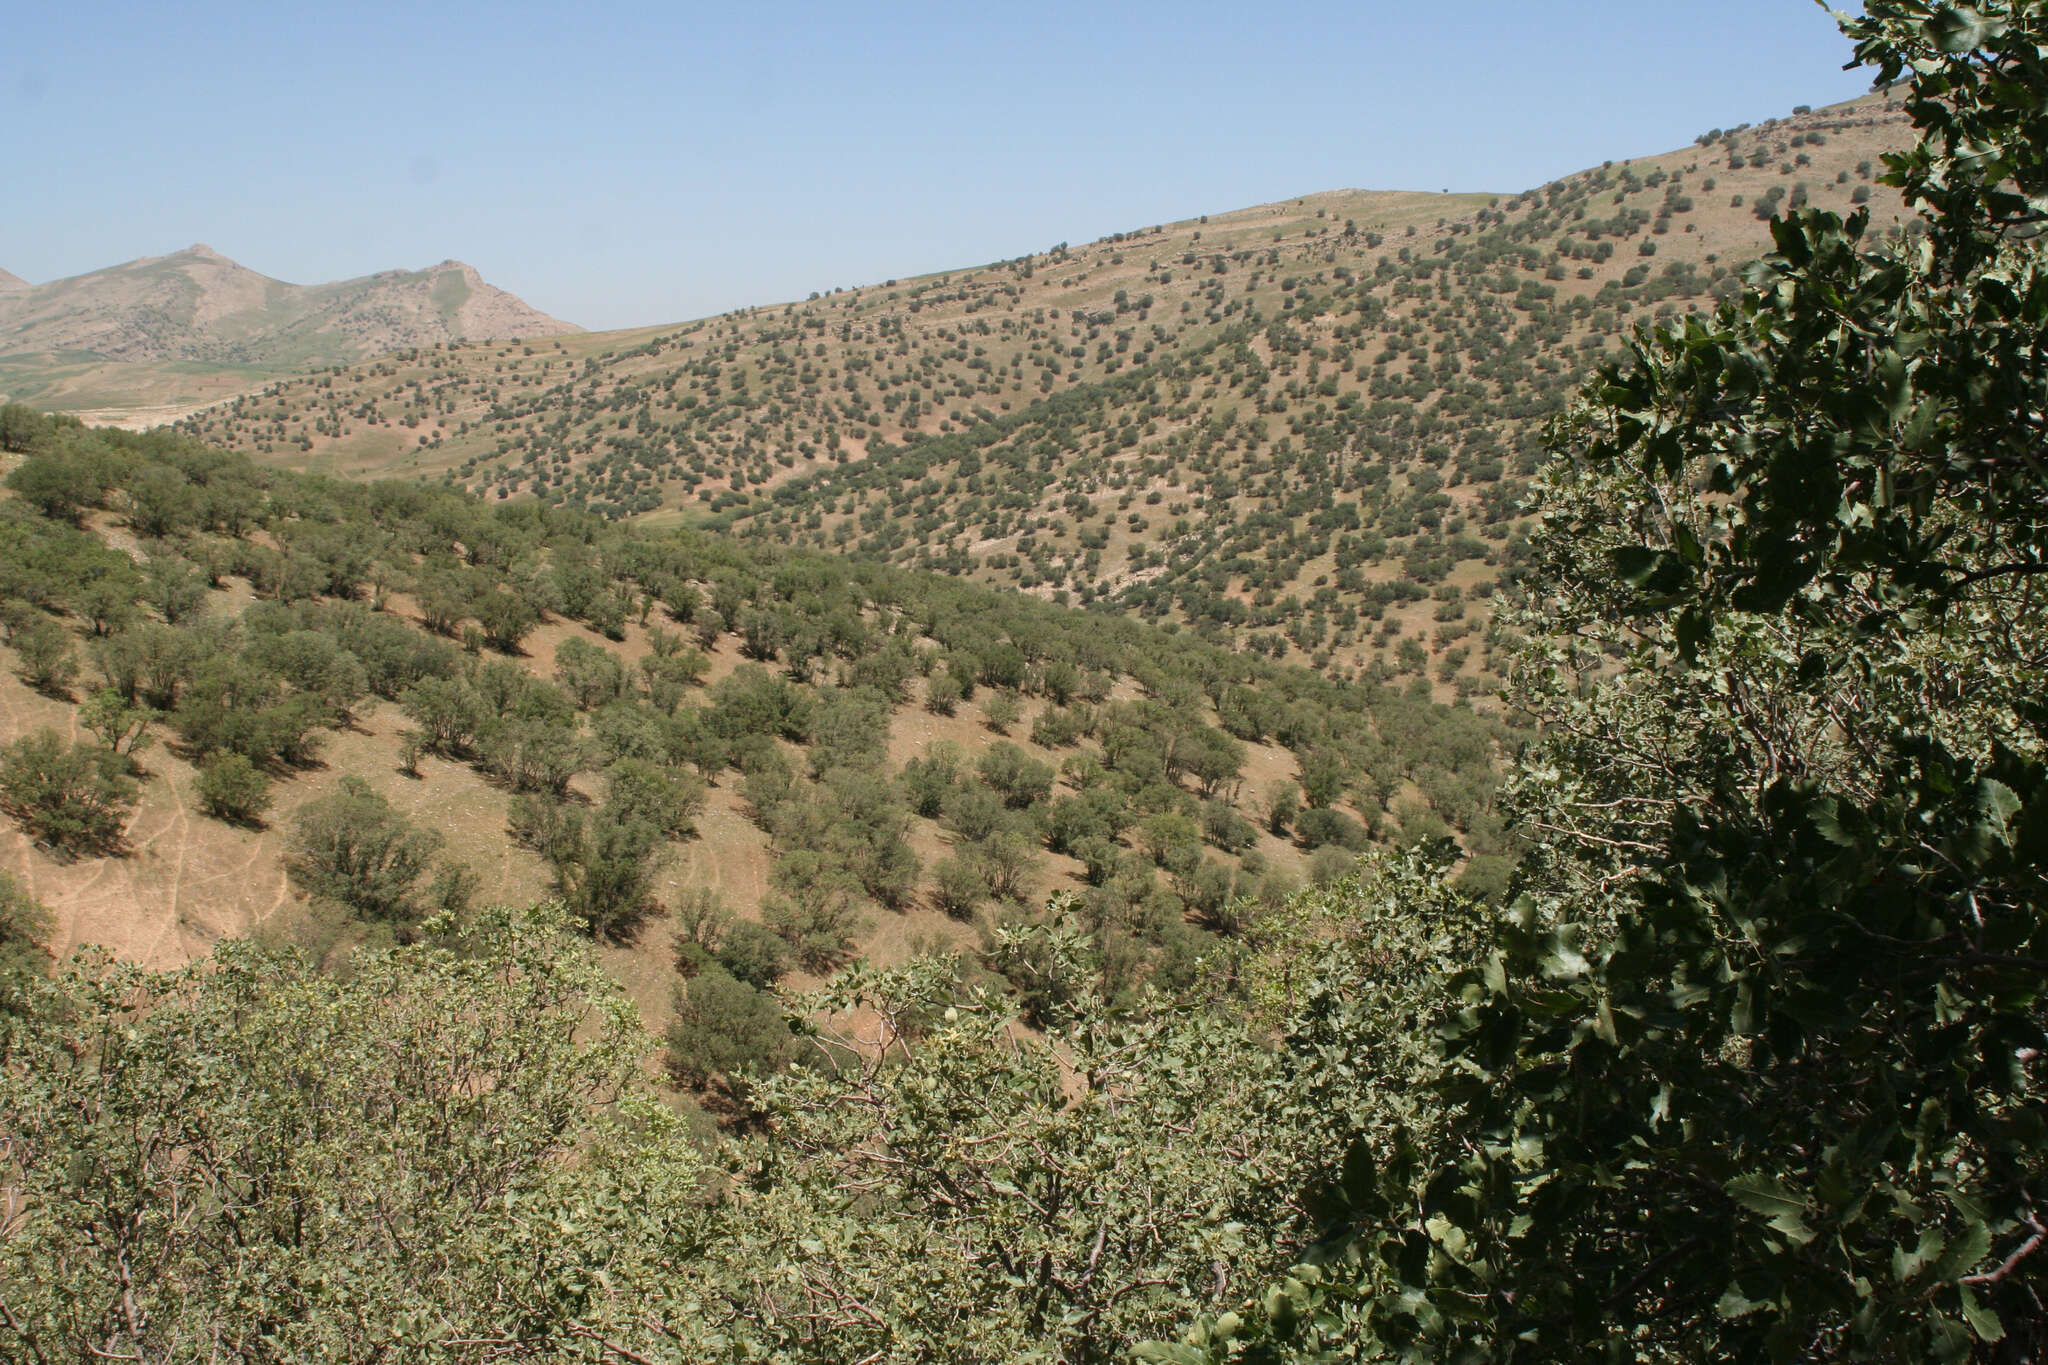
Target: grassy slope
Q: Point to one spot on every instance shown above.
(81, 382)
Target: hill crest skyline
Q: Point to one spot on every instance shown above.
(203, 251)
(198, 304)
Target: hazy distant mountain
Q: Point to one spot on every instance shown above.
(197, 305)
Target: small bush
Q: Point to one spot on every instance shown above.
(723, 1028)
(44, 650)
(232, 788)
(957, 888)
(1323, 827)
(1283, 806)
(1330, 863)
(353, 848)
(820, 928)
(1001, 711)
(1225, 828)
(753, 953)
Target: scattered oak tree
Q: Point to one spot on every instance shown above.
(352, 848)
(75, 797)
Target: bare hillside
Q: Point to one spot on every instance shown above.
(196, 305)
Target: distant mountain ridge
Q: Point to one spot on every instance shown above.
(197, 305)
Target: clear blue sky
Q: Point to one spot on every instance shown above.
(637, 163)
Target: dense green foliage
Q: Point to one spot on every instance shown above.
(1755, 1070)
(444, 1152)
(250, 1160)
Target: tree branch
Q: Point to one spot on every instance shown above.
(2024, 1250)
(2024, 569)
